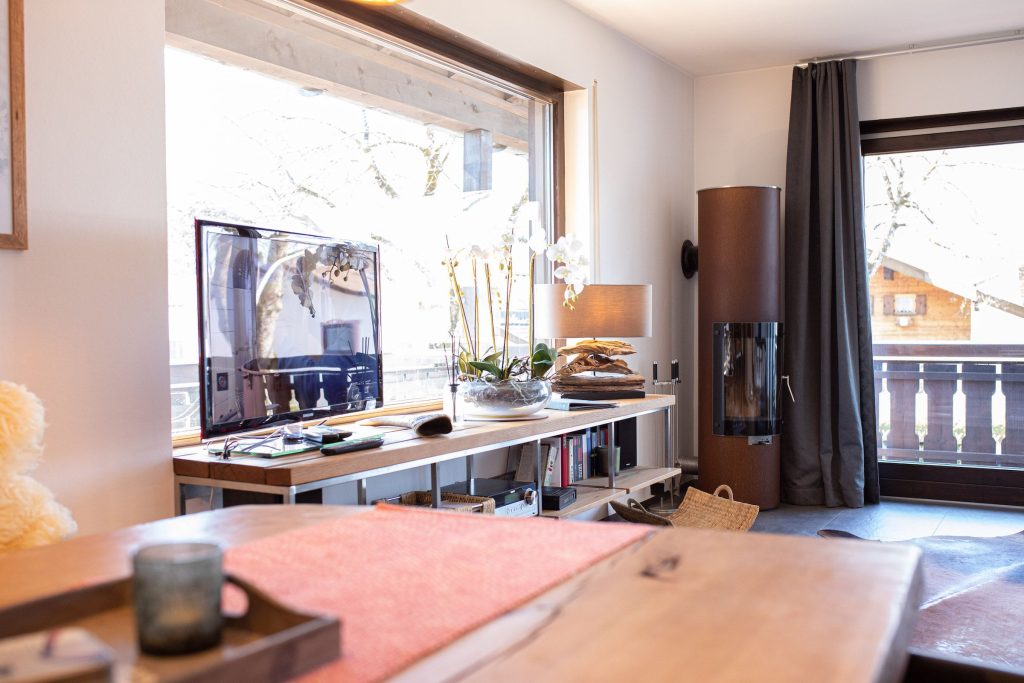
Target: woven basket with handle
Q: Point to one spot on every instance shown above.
(456, 502)
(698, 510)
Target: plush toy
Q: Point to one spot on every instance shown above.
(29, 515)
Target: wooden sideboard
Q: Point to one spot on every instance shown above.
(293, 475)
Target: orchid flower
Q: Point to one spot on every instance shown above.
(480, 253)
(538, 241)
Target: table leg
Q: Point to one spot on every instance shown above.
(469, 475)
(361, 492)
(288, 498)
(539, 469)
(669, 438)
(611, 455)
(179, 500)
(435, 484)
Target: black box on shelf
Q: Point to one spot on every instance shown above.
(558, 497)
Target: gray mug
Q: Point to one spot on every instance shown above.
(177, 595)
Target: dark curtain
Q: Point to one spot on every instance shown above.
(829, 446)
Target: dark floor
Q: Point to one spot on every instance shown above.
(894, 520)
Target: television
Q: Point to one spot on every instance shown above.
(289, 327)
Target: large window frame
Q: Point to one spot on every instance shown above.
(964, 483)
(403, 29)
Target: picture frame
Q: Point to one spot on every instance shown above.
(13, 204)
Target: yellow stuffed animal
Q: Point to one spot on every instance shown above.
(29, 515)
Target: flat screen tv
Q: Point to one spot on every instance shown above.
(289, 327)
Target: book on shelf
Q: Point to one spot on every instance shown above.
(525, 469)
(567, 468)
(577, 458)
(578, 404)
(521, 462)
(565, 459)
(551, 452)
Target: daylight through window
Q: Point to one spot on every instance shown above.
(945, 239)
(345, 137)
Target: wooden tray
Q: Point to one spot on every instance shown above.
(269, 642)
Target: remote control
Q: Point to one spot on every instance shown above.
(325, 435)
(350, 445)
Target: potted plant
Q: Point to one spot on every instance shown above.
(495, 383)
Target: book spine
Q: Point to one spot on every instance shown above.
(581, 457)
(565, 461)
(588, 448)
(572, 460)
(549, 465)
(584, 452)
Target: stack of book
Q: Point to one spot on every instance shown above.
(565, 459)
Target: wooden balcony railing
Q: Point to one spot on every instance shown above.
(959, 425)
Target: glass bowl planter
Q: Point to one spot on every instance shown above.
(507, 398)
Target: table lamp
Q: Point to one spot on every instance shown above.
(610, 312)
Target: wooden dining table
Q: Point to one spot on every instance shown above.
(679, 604)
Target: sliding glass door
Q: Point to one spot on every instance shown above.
(945, 238)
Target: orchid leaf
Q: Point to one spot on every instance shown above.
(542, 360)
(484, 366)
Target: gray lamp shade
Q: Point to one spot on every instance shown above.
(608, 311)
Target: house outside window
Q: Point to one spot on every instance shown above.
(945, 241)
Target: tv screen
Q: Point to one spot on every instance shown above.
(289, 327)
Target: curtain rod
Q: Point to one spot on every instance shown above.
(983, 39)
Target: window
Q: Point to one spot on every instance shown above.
(282, 117)
(946, 262)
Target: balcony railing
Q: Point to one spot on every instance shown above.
(950, 403)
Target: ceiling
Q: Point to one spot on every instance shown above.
(705, 37)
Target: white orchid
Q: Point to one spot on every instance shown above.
(568, 256)
(559, 251)
(571, 293)
(566, 249)
(479, 252)
(569, 252)
(538, 241)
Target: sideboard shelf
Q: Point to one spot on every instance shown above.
(632, 480)
(290, 476)
(595, 492)
(587, 498)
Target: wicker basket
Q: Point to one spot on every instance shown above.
(698, 510)
(456, 502)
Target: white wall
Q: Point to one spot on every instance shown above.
(741, 122)
(83, 313)
(964, 79)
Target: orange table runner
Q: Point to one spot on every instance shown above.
(407, 582)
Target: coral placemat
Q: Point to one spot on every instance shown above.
(407, 582)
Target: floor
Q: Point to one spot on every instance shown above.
(894, 520)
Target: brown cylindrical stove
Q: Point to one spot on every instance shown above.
(738, 234)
